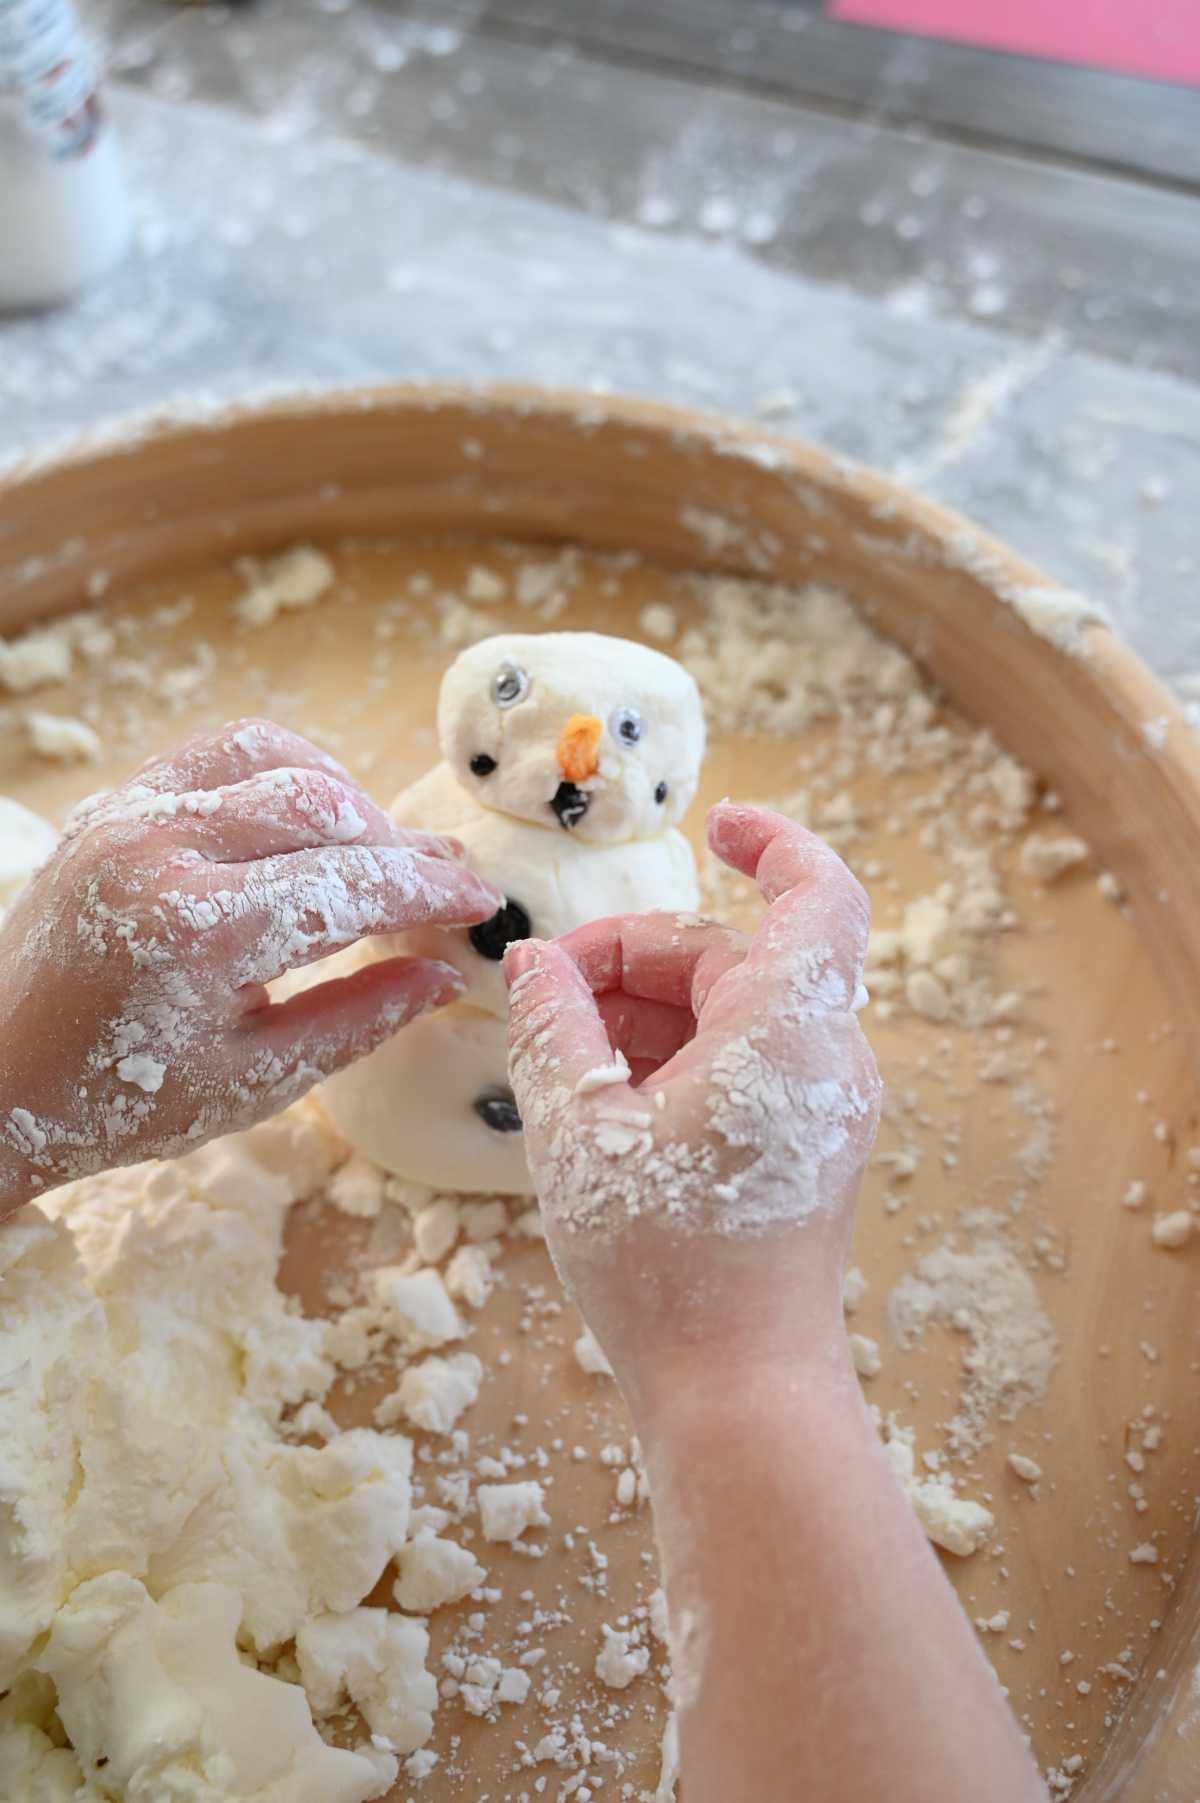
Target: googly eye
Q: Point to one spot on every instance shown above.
(509, 685)
(626, 725)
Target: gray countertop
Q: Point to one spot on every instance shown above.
(978, 274)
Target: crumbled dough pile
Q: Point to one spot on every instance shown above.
(157, 1516)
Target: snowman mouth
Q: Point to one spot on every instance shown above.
(570, 804)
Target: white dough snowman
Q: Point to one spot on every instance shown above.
(568, 759)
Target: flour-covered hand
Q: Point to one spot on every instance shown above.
(134, 1018)
(730, 1150)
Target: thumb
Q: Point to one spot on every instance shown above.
(555, 1034)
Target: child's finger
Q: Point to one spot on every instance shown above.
(287, 809)
(342, 1019)
(776, 852)
(654, 956)
(240, 749)
(556, 1037)
(291, 909)
(813, 941)
(275, 811)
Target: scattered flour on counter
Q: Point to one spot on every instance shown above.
(986, 1294)
(296, 579)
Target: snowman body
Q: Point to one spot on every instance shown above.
(580, 824)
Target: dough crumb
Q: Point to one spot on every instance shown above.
(358, 1188)
(1028, 1470)
(35, 660)
(416, 1305)
(61, 739)
(1173, 1230)
(951, 1521)
(435, 1572)
(469, 1276)
(603, 1076)
(657, 620)
(1145, 1554)
(1046, 859)
(377, 1659)
(590, 1356)
(854, 1288)
(618, 1663)
(483, 585)
(435, 1394)
(436, 1228)
(865, 1353)
(295, 579)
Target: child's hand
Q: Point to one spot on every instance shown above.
(133, 1015)
(701, 1219)
(715, 1198)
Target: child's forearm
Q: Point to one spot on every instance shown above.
(819, 1652)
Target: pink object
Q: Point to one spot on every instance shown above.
(1157, 38)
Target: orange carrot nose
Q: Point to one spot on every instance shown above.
(579, 748)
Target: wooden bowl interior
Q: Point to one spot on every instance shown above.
(689, 494)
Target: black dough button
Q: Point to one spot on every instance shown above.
(508, 924)
(482, 764)
(497, 1109)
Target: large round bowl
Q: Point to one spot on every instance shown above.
(1007, 648)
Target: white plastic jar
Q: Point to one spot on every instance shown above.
(64, 209)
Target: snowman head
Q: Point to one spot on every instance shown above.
(598, 737)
